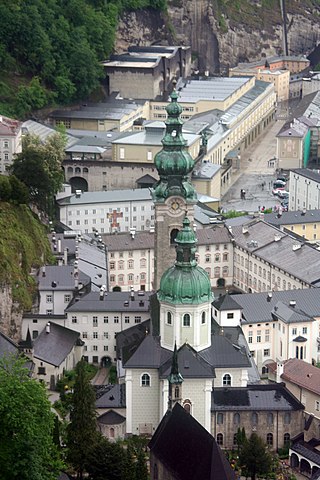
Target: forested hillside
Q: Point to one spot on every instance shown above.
(50, 49)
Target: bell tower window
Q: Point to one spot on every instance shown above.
(173, 235)
(186, 320)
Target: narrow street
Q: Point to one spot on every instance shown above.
(254, 171)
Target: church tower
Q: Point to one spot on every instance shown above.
(185, 297)
(174, 195)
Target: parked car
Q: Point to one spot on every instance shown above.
(279, 183)
(276, 190)
(282, 178)
(283, 194)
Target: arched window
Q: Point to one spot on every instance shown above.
(270, 418)
(78, 170)
(173, 235)
(111, 432)
(220, 418)
(286, 439)
(130, 263)
(270, 439)
(70, 170)
(121, 279)
(254, 418)
(236, 419)
(203, 317)
(145, 380)
(186, 320)
(143, 263)
(187, 406)
(220, 439)
(217, 272)
(226, 380)
(85, 170)
(176, 392)
(169, 318)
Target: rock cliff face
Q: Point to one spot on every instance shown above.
(10, 313)
(220, 38)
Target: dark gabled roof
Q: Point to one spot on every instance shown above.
(7, 346)
(190, 363)
(111, 418)
(148, 354)
(226, 302)
(224, 354)
(111, 302)
(299, 339)
(290, 313)
(61, 276)
(307, 451)
(146, 179)
(254, 397)
(55, 346)
(293, 217)
(129, 339)
(115, 397)
(187, 450)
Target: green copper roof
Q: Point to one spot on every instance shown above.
(173, 162)
(185, 282)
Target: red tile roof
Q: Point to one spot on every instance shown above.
(9, 126)
(303, 374)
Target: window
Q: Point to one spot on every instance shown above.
(236, 419)
(229, 315)
(105, 335)
(116, 319)
(74, 319)
(143, 263)
(226, 380)
(95, 321)
(270, 418)
(126, 319)
(34, 320)
(220, 439)
(41, 370)
(305, 330)
(270, 439)
(121, 153)
(67, 298)
(217, 257)
(49, 298)
(225, 257)
(203, 317)
(169, 318)
(95, 348)
(112, 265)
(130, 264)
(105, 319)
(286, 439)
(105, 348)
(35, 333)
(267, 335)
(84, 334)
(258, 336)
(49, 312)
(186, 320)
(287, 418)
(145, 380)
(220, 418)
(266, 352)
(254, 418)
(137, 319)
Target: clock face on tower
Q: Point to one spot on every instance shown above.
(175, 206)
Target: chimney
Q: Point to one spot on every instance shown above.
(280, 369)
(60, 261)
(65, 256)
(296, 246)
(269, 296)
(48, 327)
(277, 237)
(44, 271)
(76, 274)
(132, 294)
(132, 233)
(59, 245)
(292, 303)
(78, 193)
(244, 229)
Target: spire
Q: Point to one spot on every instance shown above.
(175, 380)
(174, 163)
(175, 377)
(186, 246)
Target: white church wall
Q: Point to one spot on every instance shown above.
(145, 399)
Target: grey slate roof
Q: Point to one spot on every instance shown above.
(111, 418)
(254, 397)
(302, 263)
(307, 451)
(258, 307)
(293, 217)
(290, 314)
(224, 354)
(214, 88)
(149, 354)
(226, 302)
(191, 364)
(308, 173)
(112, 302)
(55, 346)
(115, 397)
(139, 194)
(63, 277)
(7, 346)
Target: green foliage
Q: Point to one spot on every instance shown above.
(234, 214)
(5, 188)
(13, 190)
(113, 374)
(254, 457)
(56, 48)
(39, 167)
(23, 245)
(27, 450)
(82, 434)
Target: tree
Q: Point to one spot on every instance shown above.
(27, 450)
(83, 437)
(141, 466)
(106, 461)
(255, 457)
(39, 167)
